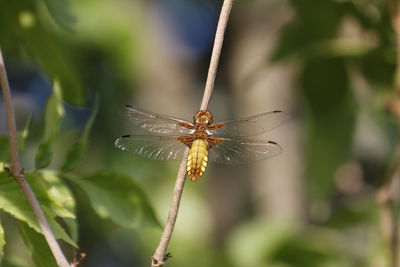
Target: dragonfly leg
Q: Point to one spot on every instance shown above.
(212, 141)
(187, 140)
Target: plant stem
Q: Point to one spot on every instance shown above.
(386, 198)
(17, 173)
(219, 39)
(160, 255)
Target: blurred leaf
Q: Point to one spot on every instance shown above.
(54, 113)
(13, 201)
(263, 242)
(43, 156)
(5, 146)
(352, 211)
(378, 66)
(75, 155)
(308, 28)
(22, 136)
(315, 248)
(118, 198)
(78, 151)
(61, 13)
(53, 116)
(37, 247)
(345, 47)
(10, 263)
(57, 63)
(250, 243)
(24, 29)
(325, 86)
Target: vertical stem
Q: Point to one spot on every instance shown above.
(17, 173)
(395, 17)
(160, 255)
(389, 217)
(15, 166)
(219, 39)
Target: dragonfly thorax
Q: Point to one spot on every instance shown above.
(203, 117)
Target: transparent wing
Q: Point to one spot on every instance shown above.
(151, 146)
(156, 123)
(249, 126)
(236, 151)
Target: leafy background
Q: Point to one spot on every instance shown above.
(73, 64)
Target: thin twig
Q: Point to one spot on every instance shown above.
(219, 39)
(17, 173)
(388, 218)
(160, 255)
(394, 7)
(386, 199)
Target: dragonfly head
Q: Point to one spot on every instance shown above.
(203, 116)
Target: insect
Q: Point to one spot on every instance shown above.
(222, 142)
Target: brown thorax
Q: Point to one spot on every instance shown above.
(203, 117)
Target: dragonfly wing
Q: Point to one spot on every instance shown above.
(236, 151)
(250, 126)
(156, 123)
(152, 146)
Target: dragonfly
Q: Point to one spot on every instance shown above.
(225, 142)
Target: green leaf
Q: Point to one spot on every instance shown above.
(54, 113)
(256, 240)
(61, 13)
(60, 194)
(5, 145)
(53, 116)
(325, 86)
(266, 242)
(78, 151)
(11, 263)
(308, 28)
(13, 201)
(37, 246)
(75, 155)
(43, 155)
(22, 136)
(57, 61)
(118, 198)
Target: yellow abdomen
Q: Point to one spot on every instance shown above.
(197, 159)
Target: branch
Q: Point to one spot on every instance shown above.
(219, 39)
(388, 218)
(160, 255)
(394, 11)
(17, 173)
(386, 198)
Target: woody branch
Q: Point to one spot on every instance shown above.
(160, 255)
(17, 172)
